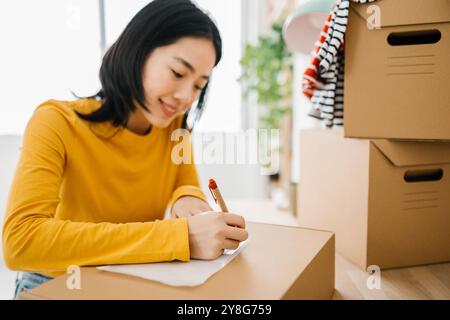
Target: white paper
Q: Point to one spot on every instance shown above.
(177, 273)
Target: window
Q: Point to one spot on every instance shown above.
(49, 48)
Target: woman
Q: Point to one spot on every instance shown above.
(96, 175)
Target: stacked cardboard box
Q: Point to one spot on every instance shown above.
(397, 77)
(388, 202)
(382, 183)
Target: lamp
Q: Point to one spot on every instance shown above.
(303, 25)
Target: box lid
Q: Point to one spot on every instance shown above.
(413, 153)
(406, 12)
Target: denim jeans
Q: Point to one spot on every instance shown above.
(28, 280)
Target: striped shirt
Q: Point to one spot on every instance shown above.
(323, 80)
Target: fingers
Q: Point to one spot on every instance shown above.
(234, 220)
(231, 244)
(236, 234)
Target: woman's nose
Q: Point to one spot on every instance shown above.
(184, 95)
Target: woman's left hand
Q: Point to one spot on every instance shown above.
(189, 206)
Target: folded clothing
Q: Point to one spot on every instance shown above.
(323, 80)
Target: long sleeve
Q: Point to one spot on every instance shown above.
(187, 182)
(34, 240)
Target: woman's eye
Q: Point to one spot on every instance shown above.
(198, 88)
(176, 74)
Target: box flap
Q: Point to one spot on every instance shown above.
(406, 12)
(413, 153)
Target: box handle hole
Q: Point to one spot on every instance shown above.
(414, 37)
(423, 175)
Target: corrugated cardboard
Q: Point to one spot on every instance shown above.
(280, 262)
(397, 91)
(387, 202)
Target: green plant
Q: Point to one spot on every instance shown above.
(267, 71)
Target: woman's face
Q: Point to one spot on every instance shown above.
(173, 77)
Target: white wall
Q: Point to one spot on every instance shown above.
(301, 106)
(223, 112)
(9, 154)
(49, 47)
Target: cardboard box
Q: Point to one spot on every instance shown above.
(387, 202)
(280, 262)
(393, 88)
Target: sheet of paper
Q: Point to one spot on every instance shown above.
(177, 273)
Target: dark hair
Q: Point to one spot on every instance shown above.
(160, 23)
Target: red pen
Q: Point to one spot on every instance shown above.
(217, 196)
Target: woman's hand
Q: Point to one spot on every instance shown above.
(188, 206)
(212, 232)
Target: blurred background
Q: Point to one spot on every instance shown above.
(51, 48)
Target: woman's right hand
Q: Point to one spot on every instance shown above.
(212, 232)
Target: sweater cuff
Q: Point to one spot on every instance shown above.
(183, 240)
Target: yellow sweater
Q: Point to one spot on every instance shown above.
(94, 194)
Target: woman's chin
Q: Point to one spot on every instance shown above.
(162, 122)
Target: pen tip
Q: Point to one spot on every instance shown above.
(212, 184)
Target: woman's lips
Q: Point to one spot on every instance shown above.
(166, 109)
